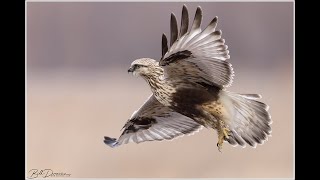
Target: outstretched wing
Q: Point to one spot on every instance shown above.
(196, 55)
(154, 122)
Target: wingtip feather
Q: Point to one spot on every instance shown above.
(184, 20)
(164, 44)
(173, 28)
(111, 142)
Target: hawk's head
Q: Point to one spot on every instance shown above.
(143, 67)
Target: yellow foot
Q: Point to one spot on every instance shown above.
(223, 134)
(226, 132)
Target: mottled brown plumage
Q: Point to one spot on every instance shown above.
(188, 91)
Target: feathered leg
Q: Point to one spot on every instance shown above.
(223, 134)
(215, 113)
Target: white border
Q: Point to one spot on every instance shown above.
(26, 94)
(25, 86)
(294, 92)
(159, 1)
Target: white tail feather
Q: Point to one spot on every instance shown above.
(249, 119)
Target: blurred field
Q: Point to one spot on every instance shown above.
(69, 112)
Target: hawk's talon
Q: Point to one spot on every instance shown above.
(226, 132)
(219, 147)
(223, 134)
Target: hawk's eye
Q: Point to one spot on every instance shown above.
(138, 66)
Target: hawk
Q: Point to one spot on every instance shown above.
(188, 91)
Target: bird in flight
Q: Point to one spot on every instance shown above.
(188, 91)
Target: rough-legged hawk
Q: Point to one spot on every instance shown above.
(188, 91)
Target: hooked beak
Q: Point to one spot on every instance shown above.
(130, 70)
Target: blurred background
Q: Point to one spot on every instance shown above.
(78, 88)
